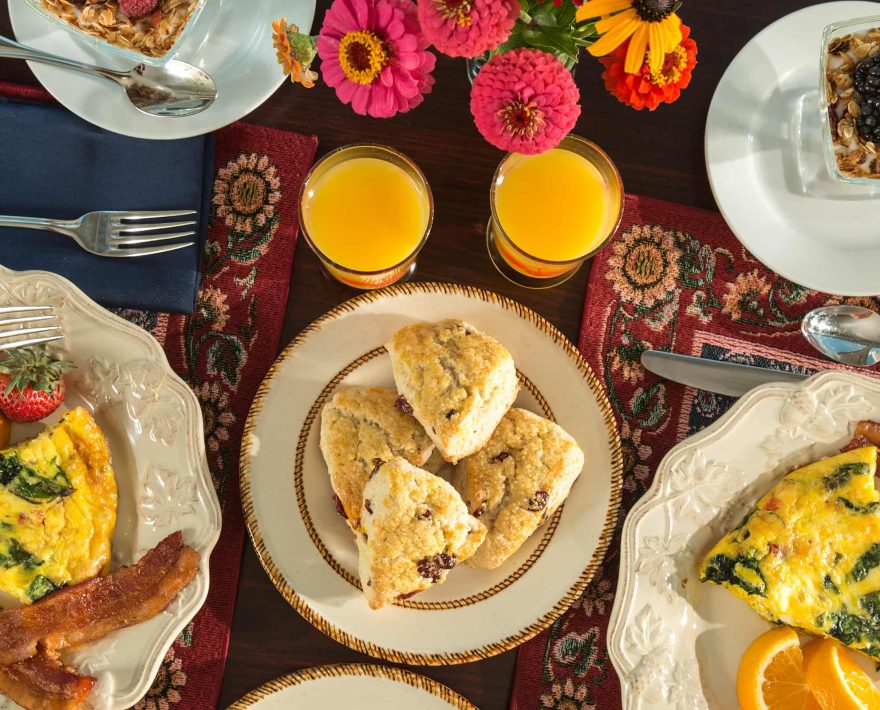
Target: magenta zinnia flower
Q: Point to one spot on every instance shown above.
(524, 101)
(467, 28)
(374, 54)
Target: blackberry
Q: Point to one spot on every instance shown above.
(869, 120)
(867, 77)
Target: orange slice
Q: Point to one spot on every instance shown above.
(835, 678)
(771, 674)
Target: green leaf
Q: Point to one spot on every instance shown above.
(226, 356)
(552, 40)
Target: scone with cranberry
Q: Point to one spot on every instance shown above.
(517, 481)
(414, 529)
(360, 428)
(458, 381)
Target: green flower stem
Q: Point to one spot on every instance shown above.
(525, 17)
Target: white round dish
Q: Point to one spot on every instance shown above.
(675, 642)
(353, 685)
(766, 167)
(153, 423)
(307, 548)
(232, 41)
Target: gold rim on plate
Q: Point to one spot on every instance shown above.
(495, 647)
(343, 670)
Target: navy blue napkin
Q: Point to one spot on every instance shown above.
(54, 164)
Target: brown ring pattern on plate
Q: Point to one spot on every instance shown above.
(345, 670)
(299, 484)
(529, 631)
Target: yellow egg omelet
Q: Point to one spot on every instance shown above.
(808, 554)
(57, 508)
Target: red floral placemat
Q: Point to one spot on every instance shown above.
(223, 351)
(674, 278)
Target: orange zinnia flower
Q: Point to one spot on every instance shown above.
(293, 67)
(647, 88)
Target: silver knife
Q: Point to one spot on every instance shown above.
(712, 375)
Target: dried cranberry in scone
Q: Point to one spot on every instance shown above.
(406, 551)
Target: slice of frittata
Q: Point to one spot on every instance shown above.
(808, 554)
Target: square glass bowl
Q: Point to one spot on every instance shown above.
(104, 44)
(840, 30)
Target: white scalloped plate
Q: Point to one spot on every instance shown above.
(307, 549)
(154, 425)
(677, 643)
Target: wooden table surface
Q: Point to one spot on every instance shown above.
(659, 154)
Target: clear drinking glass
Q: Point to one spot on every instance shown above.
(833, 31)
(531, 270)
(346, 274)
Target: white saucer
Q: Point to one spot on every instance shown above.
(232, 41)
(765, 164)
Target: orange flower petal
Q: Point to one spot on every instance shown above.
(635, 54)
(613, 38)
(597, 8)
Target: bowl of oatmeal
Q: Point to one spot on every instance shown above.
(849, 98)
(147, 31)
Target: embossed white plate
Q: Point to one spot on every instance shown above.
(308, 550)
(677, 643)
(353, 685)
(154, 425)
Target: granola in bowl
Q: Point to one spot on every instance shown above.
(152, 35)
(852, 96)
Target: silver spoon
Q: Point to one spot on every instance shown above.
(848, 334)
(175, 89)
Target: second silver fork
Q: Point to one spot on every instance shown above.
(117, 234)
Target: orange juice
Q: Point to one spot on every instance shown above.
(554, 206)
(552, 210)
(366, 214)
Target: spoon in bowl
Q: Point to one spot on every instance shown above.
(175, 89)
(847, 334)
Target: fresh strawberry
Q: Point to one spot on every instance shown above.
(32, 383)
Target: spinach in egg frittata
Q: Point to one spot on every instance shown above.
(808, 554)
(57, 508)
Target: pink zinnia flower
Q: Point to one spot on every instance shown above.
(524, 101)
(373, 53)
(467, 28)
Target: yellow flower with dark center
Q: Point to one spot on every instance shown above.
(651, 27)
(362, 56)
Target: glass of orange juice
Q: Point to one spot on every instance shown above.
(552, 211)
(366, 211)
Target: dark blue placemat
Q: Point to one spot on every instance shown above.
(54, 164)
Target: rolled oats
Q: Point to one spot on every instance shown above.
(855, 156)
(152, 35)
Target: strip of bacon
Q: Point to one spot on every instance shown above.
(867, 433)
(91, 610)
(44, 683)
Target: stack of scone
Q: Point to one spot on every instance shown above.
(455, 390)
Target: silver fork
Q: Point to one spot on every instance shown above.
(48, 331)
(115, 233)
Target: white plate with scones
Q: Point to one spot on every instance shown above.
(127, 475)
(438, 500)
(767, 487)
